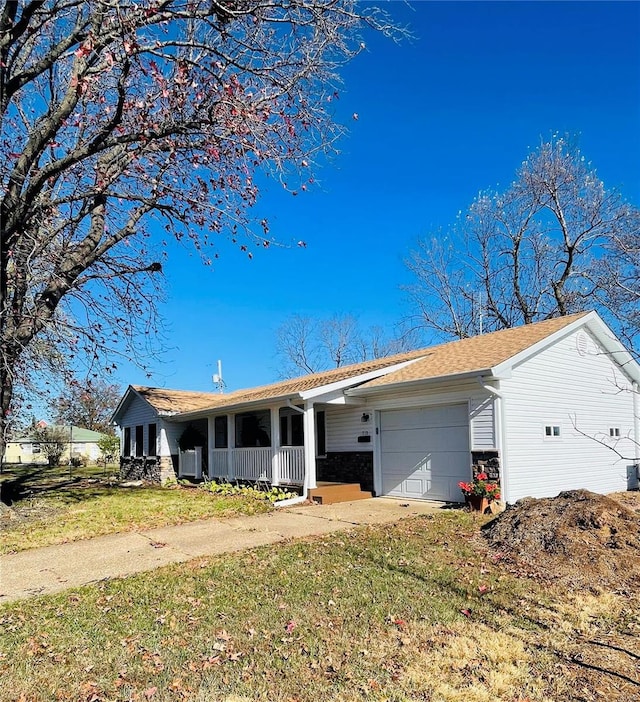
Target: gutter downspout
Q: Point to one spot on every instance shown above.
(305, 487)
(502, 444)
(636, 428)
(291, 501)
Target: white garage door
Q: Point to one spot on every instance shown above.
(425, 452)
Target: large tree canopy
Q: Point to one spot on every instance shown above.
(88, 405)
(119, 119)
(556, 241)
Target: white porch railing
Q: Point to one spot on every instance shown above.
(252, 463)
(219, 463)
(256, 463)
(291, 464)
(190, 463)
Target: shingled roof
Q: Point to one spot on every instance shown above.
(178, 401)
(476, 354)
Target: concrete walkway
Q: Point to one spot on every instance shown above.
(56, 568)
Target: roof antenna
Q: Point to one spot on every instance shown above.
(217, 378)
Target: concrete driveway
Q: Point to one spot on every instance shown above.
(56, 568)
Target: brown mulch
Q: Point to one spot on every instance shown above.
(579, 537)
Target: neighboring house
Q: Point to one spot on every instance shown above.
(541, 408)
(81, 442)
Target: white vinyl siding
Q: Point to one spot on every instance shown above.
(582, 393)
(169, 433)
(139, 413)
(345, 425)
(481, 406)
(483, 429)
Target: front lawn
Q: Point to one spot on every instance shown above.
(420, 610)
(56, 505)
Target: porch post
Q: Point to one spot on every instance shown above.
(231, 442)
(211, 439)
(309, 447)
(275, 445)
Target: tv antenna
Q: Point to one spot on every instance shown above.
(217, 378)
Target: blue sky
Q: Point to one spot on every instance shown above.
(441, 117)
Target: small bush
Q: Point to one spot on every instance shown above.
(272, 494)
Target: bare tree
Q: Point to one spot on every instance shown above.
(88, 405)
(311, 345)
(124, 122)
(555, 242)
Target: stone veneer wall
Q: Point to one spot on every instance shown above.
(347, 467)
(150, 468)
(486, 462)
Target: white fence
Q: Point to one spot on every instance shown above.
(190, 463)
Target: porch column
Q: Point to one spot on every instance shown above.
(309, 447)
(275, 445)
(211, 441)
(231, 443)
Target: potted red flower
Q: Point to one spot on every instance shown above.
(480, 493)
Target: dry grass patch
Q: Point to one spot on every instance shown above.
(51, 506)
(420, 610)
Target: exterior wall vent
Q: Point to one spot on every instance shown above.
(582, 344)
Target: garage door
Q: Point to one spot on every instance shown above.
(425, 452)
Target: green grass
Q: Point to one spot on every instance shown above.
(53, 506)
(413, 611)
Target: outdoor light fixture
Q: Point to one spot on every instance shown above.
(365, 417)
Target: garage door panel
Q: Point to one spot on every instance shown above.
(437, 439)
(425, 452)
(456, 415)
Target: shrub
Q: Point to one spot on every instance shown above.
(271, 494)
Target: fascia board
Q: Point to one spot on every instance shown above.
(233, 408)
(378, 389)
(347, 383)
(594, 323)
(614, 347)
(506, 366)
(125, 399)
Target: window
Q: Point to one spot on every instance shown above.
(221, 432)
(253, 429)
(140, 440)
(552, 431)
(127, 441)
(153, 439)
(284, 430)
(292, 429)
(614, 431)
(321, 434)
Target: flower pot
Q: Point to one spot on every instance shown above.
(477, 503)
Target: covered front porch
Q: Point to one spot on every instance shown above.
(322, 449)
(277, 445)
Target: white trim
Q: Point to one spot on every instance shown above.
(598, 328)
(309, 447)
(317, 393)
(439, 379)
(377, 454)
(274, 412)
(500, 423)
